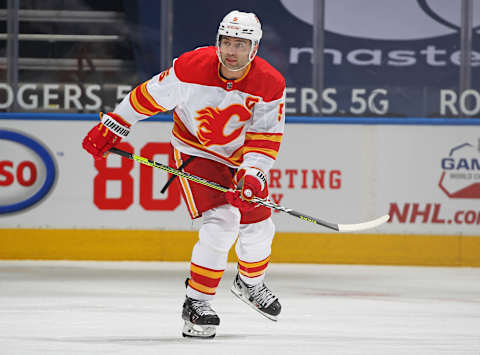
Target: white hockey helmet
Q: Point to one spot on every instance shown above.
(242, 25)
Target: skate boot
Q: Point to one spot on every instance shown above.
(201, 321)
(259, 297)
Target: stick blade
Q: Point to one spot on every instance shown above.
(364, 225)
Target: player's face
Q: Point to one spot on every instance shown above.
(234, 52)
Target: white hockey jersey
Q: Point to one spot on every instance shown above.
(237, 122)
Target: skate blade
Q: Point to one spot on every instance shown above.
(240, 296)
(191, 330)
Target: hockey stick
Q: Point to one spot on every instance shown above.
(264, 202)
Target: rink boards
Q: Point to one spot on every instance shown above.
(57, 204)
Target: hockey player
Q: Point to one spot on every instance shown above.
(228, 125)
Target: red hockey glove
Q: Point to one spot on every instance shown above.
(233, 198)
(105, 135)
(250, 183)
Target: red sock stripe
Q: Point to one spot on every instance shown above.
(205, 268)
(203, 279)
(253, 269)
(200, 288)
(250, 264)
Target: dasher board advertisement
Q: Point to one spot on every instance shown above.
(426, 177)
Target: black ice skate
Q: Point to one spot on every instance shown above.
(259, 297)
(201, 321)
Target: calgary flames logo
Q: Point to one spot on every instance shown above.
(213, 122)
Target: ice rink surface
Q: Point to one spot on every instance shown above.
(134, 308)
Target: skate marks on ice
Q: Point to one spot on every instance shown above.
(123, 340)
(134, 308)
(98, 340)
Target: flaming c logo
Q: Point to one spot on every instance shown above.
(213, 122)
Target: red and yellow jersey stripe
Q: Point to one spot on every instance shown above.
(143, 103)
(263, 143)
